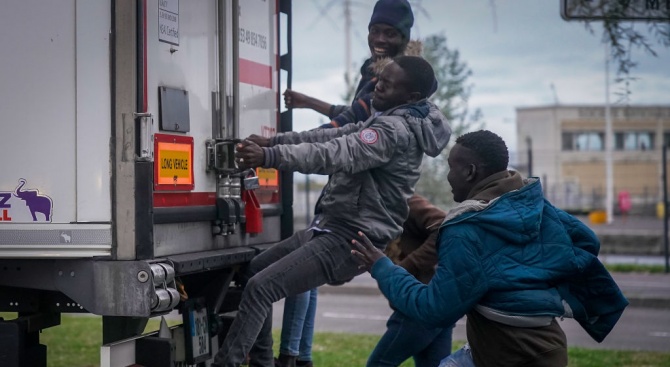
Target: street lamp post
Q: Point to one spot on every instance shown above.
(529, 142)
(609, 185)
(665, 208)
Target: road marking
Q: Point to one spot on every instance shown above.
(660, 334)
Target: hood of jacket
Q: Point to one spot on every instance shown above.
(527, 204)
(427, 123)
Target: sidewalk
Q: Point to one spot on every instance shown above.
(634, 224)
(642, 290)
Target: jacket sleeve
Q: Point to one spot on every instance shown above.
(358, 111)
(336, 109)
(457, 286)
(582, 236)
(363, 98)
(596, 300)
(425, 217)
(312, 136)
(355, 152)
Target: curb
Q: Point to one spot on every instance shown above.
(654, 303)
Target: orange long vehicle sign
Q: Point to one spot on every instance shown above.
(173, 162)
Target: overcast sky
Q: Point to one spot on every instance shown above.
(516, 51)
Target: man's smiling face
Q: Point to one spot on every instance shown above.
(384, 41)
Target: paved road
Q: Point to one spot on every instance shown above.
(648, 290)
(639, 328)
(359, 307)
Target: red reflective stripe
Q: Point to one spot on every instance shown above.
(163, 200)
(256, 74)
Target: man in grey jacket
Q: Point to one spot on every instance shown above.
(373, 167)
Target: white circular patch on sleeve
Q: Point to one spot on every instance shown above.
(369, 136)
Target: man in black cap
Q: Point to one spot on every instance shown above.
(388, 36)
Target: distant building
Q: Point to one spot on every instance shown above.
(566, 145)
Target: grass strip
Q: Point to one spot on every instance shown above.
(76, 343)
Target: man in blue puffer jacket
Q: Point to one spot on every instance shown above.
(510, 261)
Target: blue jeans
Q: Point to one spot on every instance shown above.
(405, 338)
(460, 358)
(297, 330)
(292, 266)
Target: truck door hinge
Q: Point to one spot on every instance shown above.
(145, 122)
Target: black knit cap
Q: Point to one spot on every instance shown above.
(396, 13)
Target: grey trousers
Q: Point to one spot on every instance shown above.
(297, 264)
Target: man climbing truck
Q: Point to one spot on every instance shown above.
(119, 195)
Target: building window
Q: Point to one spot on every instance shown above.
(634, 140)
(583, 141)
(568, 141)
(666, 139)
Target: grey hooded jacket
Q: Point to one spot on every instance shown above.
(373, 167)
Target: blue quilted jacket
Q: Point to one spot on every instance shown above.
(517, 254)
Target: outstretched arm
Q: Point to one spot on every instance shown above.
(311, 136)
(354, 152)
(358, 111)
(456, 287)
(423, 258)
(249, 154)
(293, 99)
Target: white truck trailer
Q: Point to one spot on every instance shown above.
(119, 195)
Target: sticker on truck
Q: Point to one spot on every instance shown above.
(173, 162)
(25, 205)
